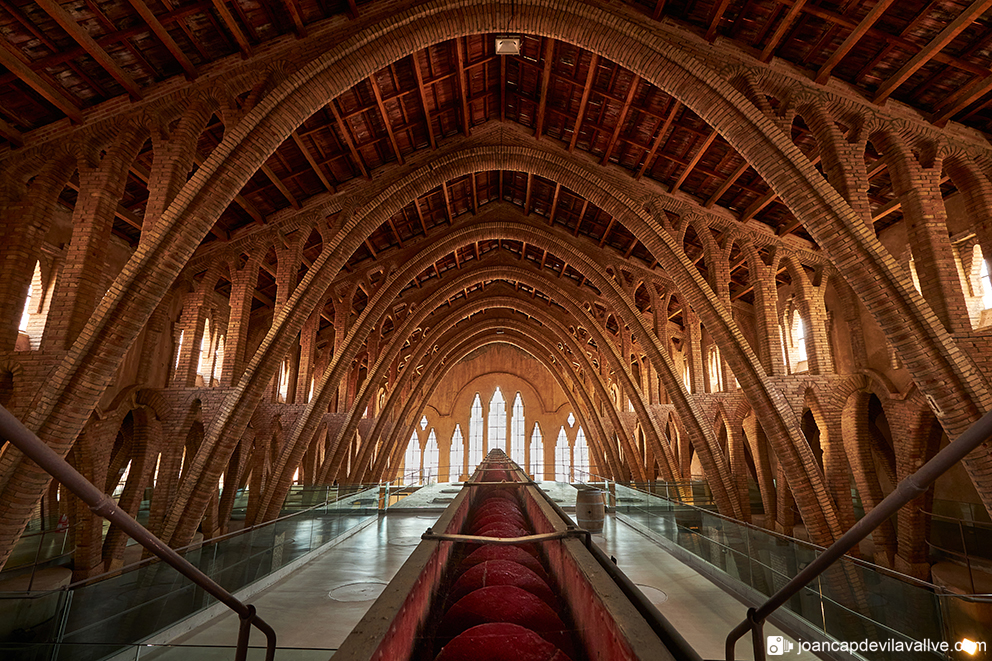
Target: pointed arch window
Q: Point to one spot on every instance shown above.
(800, 338)
(581, 452)
(431, 456)
(537, 454)
(497, 421)
(411, 461)
(563, 457)
(457, 455)
(475, 434)
(517, 431)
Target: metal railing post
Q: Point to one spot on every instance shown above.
(103, 505)
(912, 487)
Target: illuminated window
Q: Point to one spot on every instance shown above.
(475, 434)
(517, 431)
(457, 456)
(411, 461)
(537, 454)
(179, 347)
(983, 275)
(581, 452)
(800, 338)
(686, 376)
(431, 455)
(284, 381)
(497, 421)
(563, 457)
(716, 370)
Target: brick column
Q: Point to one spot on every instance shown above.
(243, 283)
(694, 337)
(28, 216)
(308, 351)
(191, 323)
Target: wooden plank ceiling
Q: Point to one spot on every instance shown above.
(60, 58)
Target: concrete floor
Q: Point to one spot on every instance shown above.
(314, 609)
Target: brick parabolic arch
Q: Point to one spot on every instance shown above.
(941, 370)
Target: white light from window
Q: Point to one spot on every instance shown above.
(986, 285)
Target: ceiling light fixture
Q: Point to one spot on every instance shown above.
(508, 45)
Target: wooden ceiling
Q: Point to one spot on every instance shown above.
(60, 58)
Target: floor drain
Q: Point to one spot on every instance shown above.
(357, 591)
(654, 595)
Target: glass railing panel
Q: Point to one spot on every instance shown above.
(67, 652)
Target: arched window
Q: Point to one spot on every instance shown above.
(715, 369)
(800, 335)
(986, 281)
(284, 381)
(475, 434)
(517, 431)
(686, 375)
(26, 315)
(218, 360)
(537, 454)
(497, 421)
(581, 452)
(563, 457)
(457, 455)
(203, 362)
(431, 456)
(179, 348)
(411, 461)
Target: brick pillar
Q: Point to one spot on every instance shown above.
(191, 324)
(694, 337)
(342, 312)
(243, 283)
(28, 216)
(917, 187)
(755, 437)
(814, 315)
(308, 354)
(766, 321)
(738, 467)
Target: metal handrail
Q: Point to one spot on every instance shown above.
(911, 487)
(103, 505)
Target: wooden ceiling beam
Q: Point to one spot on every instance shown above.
(582, 213)
(662, 132)
(267, 171)
(622, 119)
(352, 9)
(232, 27)
(449, 212)
(422, 92)
(659, 9)
(11, 58)
(780, 30)
(554, 204)
(852, 39)
(528, 192)
(715, 17)
(695, 160)
(728, 182)
(76, 32)
(163, 36)
(11, 134)
(313, 163)
(294, 11)
(420, 215)
(946, 36)
(463, 86)
(586, 92)
(549, 47)
(385, 118)
(349, 141)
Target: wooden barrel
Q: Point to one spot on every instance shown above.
(589, 509)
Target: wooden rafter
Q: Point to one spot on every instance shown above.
(348, 140)
(783, 26)
(10, 58)
(528, 192)
(11, 134)
(952, 30)
(621, 120)
(294, 11)
(695, 159)
(463, 90)
(422, 92)
(449, 213)
(586, 92)
(659, 9)
(549, 46)
(385, 118)
(76, 32)
(718, 11)
(727, 183)
(313, 163)
(233, 28)
(163, 35)
(554, 204)
(278, 183)
(662, 132)
(852, 39)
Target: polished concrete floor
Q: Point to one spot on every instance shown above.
(316, 607)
